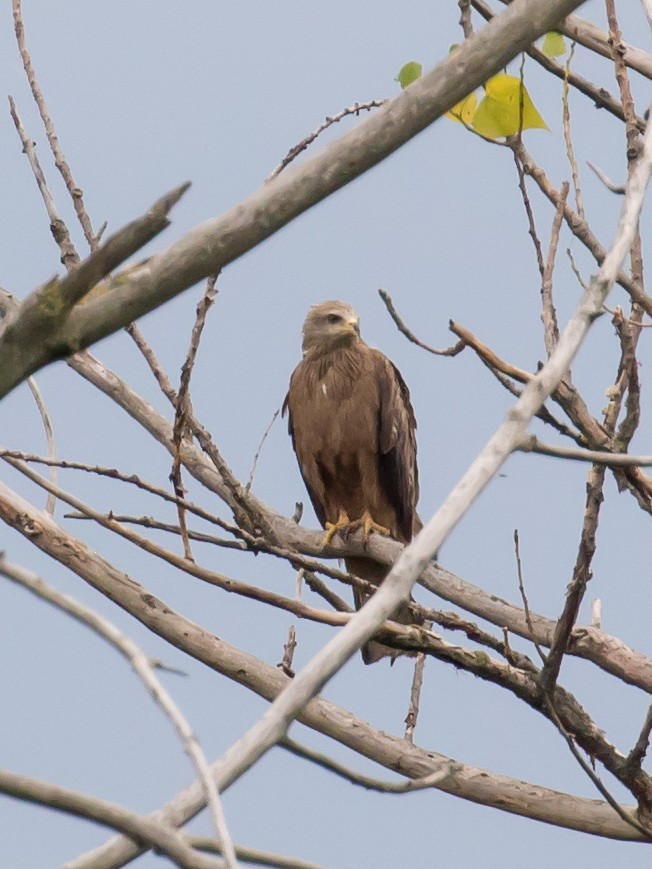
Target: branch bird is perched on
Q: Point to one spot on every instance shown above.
(353, 431)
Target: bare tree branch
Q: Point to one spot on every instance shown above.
(403, 329)
(415, 557)
(366, 781)
(267, 681)
(40, 330)
(294, 152)
(141, 829)
(600, 97)
(581, 577)
(60, 233)
(143, 669)
(49, 438)
(609, 653)
(531, 444)
(252, 855)
(548, 312)
(592, 37)
(208, 248)
(61, 163)
(183, 408)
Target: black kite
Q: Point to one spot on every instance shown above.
(353, 431)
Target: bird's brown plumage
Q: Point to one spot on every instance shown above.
(353, 431)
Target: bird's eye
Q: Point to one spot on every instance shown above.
(333, 318)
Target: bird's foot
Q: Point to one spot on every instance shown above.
(342, 525)
(346, 526)
(367, 523)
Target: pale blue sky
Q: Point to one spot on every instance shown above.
(145, 95)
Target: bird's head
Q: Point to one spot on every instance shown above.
(329, 326)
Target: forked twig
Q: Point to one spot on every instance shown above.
(184, 407)
(69, 256)
(597, 781)
(61, 163)
(389, 304)
(577, 586)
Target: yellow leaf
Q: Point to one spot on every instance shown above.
(464, 111)
(505, 106)
(553, 44)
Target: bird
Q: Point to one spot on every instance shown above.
(353, 430)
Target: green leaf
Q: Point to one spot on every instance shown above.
(408, 73)
(553, 44)
(506, 105)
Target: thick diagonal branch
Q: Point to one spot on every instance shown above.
(39, 330)
(208, 248)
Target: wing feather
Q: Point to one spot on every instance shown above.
(301, 442)
(397, 445)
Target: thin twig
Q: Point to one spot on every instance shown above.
(69, 256)
(618, 52)
(415, 692)
(74, 190)
(532, 229)
(155, 367)
(548, 312)
(115, 474)
(315, 584)
(157, 525)
(568, 140)
(389, 304)
(597, 781)
(244, 506)
(184, 407)
(581, 229)
(365, 781)
(531, 444)
(608, 183)
(577, 586)
(629, 335)
(521, 588)
(618, 312)
(638, 752)
(465, 18)
(258, 451)
(563, 394)
(294, 152)
(628, 379)
(49, 438)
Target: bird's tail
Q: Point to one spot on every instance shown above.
(372, 571)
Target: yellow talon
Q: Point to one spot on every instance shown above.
(342, 524)
(368, 525)
(345, 526)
